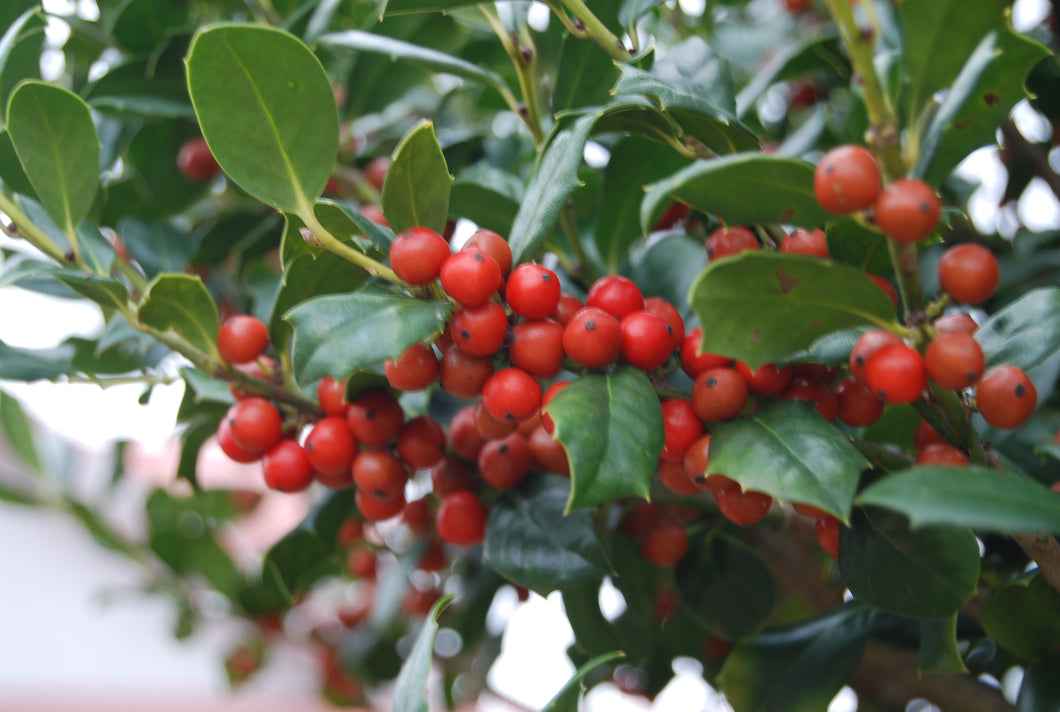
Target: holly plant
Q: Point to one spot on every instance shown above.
(535, 298)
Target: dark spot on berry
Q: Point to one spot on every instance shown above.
(369, 415)
(503, 449)
(924, 207)
(859, 361)
(509, 417)
(479, 256)
(669, 330)
(465, 334)
(700, 479)
(590, 325)
(710, 382)
(1020, 390)
(970, 377)
(882, 394)
(546, 277)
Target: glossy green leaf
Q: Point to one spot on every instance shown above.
(531, 541)
(797, 668)
(20, 48)
(937, 37)
(566, 700)
(987, 88)
(338, 334)
(668, 268)
(410, 688)
(97, 252)
(593, 634)
(611, 427)
(105, 291)
(143, 24)
(267, 111)
(1024, 333)
(180, 303)
(11, 173)
(551, 186)
(309, 276)
(938, 651)
(634, 163)
(147, 87)
(763, 306)
(803, 56)
(18, 364)
(789, 452)
(974, 497)
(416, 190)
(481, 203)
(156, 245)
(400, 7)
(17, 431)
(928, 572)
(584, 76)
(726, 586)
(1024, 616)
(349, 225)
(1041, 687)
(857, 246)
(53, 134)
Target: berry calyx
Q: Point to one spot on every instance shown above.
(847, 180)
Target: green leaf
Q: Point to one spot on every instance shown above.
(938, 651)
(100, 530)
(17, 430)
(267, 111)
(532, 542)
(566, 700)
(402, 7)
(483, 204)
(416, 190)
(923, 573)
(742, 189)
(797, 668)
(180, 303)
(791, 453)
(611, 427)
(336, 335)
(1041, 687)
(20, 48)
(156, 245)
(149, 87)
(1023, 616)
(796, 58)
(17, 364)
(763, 306)
(937, 37)
(668, 268)
(410, 688)
(584, 76)
(1024, 333)
(309, 276)
(56, 142)
(725, 585)
(105, 291)
(989, 85)
(973, 497)
(143, 24)
(11, 173)
(553, 182)
(345, 223)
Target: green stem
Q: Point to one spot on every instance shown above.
(530, 111)
(332, 244)
(585, 268)
(597, 31)
(28, 231)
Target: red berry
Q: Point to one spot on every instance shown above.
(695, 463)
(673, 214)
(242, 338)
(867, 344)
(694, 361)
(826, 530)
(647, 341)
(493, 245)
(461, 519)
(815, 392)
(504, 463)
(719, 394)
(195, 161)
(847, 180)
(332, 396)
(896, 374)
(665, 543)
(907, 210)
(375, 418)
(957, 322)
(805, 242)
(732, 241)
(941, 454)
(672, 476)
(511, 395)
(415, 369)
(668, 312)
(376, 509)
(1006, 397)
(286, 467)
(681, 428)
(546, 398)
(492, 428)
(464, 435)
(376, 169)
(568, 306)
(417, 255)
(532, 291)
(380, 473)
(954, 360)
(767, 379)
(479, 331)
(373, 213)
(858, 406)
(255, 424)
(886, 286)
(743, 508)
(969, 273)
(421, 443)
(462, 374)
(796, 5)
(231, 448)
(926, 435)
(331, 446)
(548, 453)
(451, 475)
(593, 337)
(471, 277)
(616, 295)
(537, 347)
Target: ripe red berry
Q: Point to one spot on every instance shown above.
(956, 322)
(867, 344)
(464, 435)
(766, 380)
(668, 312)
(665, 543)
(532, 291)
(805, 242)
(462, 374)
(616, 295)
(847, 180)
(548, 453)
(492, 428)
(505, 462)
(907, 210)
(479, 331)
(332, 396)
(725, 242)
(375, 418)
(242, 338)
(694, 361)
(461, 519)
(415, 369)
(376, 509)
(896, 374)
(969, 273)
(681, 428)
(858, 406)
(421, 443)
(493, 245)
(672, 476)
(537, 347)
(511, 395)
(568, 306)
(331, 446)
(719, 394)
(815, 392)
(941, 454)
(1006, 397)
(195, 160)
(471, 277)
(695, 463)
(231, 448)
(376, 169)
(647, 341)
(954, 360)
(593, 337)
(380, 473)
(417, 255)
(255, 424)
(826, 530)
(926, 435)
(742, 507)
(451, 474)
(286, 467)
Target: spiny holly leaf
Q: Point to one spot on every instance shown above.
(1024, 616)
(267, 111)
(974, 497)
(789, 452)
(611, 427)
(1025, 333)
(416, 190)
(55, 138)
(987, 88)
(338, 334)
(584, 77)
(797, 668)
(759, 307)
(410, 688)
(532, 541)
(938, 651)
(308, 276)
(180, 303)
(105, 291)
(922, 573)
(742, 189)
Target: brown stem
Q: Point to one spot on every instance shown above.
(1044, 551)
(1025, 153)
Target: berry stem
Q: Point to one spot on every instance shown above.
(595, 29)
(22, 227)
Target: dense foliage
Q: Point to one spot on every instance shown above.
(724, 337)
